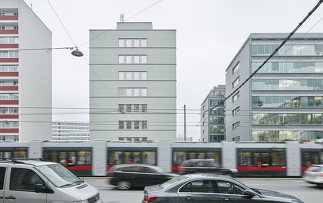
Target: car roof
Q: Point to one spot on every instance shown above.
(208, 176)
(126, 165)
(27, 162)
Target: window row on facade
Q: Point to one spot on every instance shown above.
(287, 101)
(8, 68)
(136, 75)
(216, 120)
(132, 59)
(9, 97)
(217, 111)
(288, 50)
(132, 42)
(235, 125)
(133, 139)
(9, 54)
(8, 82)
(136, 108)
(216, 102)
(132, 92)
(8, 110)
(282, 135)
(8, 27)
(9, 124)
(217, 129)
(287, 118)
(132, 125)
(8, 13)
(289, 67)
(287, 84)
(9, 40)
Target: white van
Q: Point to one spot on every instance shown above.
(32, 181)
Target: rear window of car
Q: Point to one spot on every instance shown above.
(187, 164)
(315, 169)
(173, 180)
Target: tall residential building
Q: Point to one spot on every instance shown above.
(284, 100)
(133, 83)
(212, 119)
(25, 75)
(70, 131)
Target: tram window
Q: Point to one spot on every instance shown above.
(84, 158)
(19, 154)
(180, 156)
(71, 158)
(310, 158)
(244, 159)
(274, 157)
(62, 158)
(122, 157)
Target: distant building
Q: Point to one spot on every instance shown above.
(70, 131)
(212, 119)
(133, 83)
(25, 75)
(284, 100)
(181, 139)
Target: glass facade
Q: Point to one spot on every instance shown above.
(287, 84)
(216, 120)
(287, 118)
(287, 101)
(289, 67)
(275, 136)
(288, 49)
(217, 129)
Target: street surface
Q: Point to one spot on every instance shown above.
(294, 186)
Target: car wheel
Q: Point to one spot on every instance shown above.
(123, 185)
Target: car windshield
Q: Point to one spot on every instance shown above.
(315, 169)
(59, 175)
(173, 180)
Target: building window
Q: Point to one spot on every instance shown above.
(8, 110)
(9, 40)
(9, 54)
(8, 68)
(236, 111)
(132, 92)
(9, 97)
(132, 59)
(121, 125)
(9, 124)
(133, 125)
(236, 82)
(137, 108)
(235, 97)
(9, 83)
(132, 42)
(236, 125)
(132, 75)
(235, 68)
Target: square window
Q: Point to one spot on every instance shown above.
(128, 107)
(136, 43)
(136, 124)
(144, 43)
(128, 59)
(128, 124)
(121, 59)
(121, 43)
(144, 108)
(136, 92)
(121, 125)
(129, 92)
(143, 75)
(128, 76)
(144, 125)
(136, 75)
(136, 107)
(128, 43)
(143, 59)
(121, 75)
(144, 92)
(136, 59)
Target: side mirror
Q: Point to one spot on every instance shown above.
(40, 188)
(249, 193)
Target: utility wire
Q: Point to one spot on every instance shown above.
(275, 51)
(61, 23)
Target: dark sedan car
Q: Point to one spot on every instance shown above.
(126, 176)
(204, 166)
(204, 188)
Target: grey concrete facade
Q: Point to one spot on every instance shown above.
(133, 83)
(284, 99)
(213, 120)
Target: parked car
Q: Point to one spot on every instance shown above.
(42, 182)
(204, 166)
(210, 188)
(125, 176)
(314, 175)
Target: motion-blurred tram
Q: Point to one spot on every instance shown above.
(95, 158)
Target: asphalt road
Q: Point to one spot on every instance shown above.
(294, 186)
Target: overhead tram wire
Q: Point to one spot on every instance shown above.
(271, 55)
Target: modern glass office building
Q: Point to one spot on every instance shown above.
(284, 100)
(212, 119)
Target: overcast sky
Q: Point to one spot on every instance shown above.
(209, 34)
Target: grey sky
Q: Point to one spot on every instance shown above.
(209, 33)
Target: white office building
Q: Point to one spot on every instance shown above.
(25, 76)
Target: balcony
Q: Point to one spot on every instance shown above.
(9, 60)
(8, 17)
(9, 130)
(8, 31)
(8, 88)
(9, 116)
(9, 46)
(9, 74)
(9, 102)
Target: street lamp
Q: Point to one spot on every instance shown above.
(76, 52)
